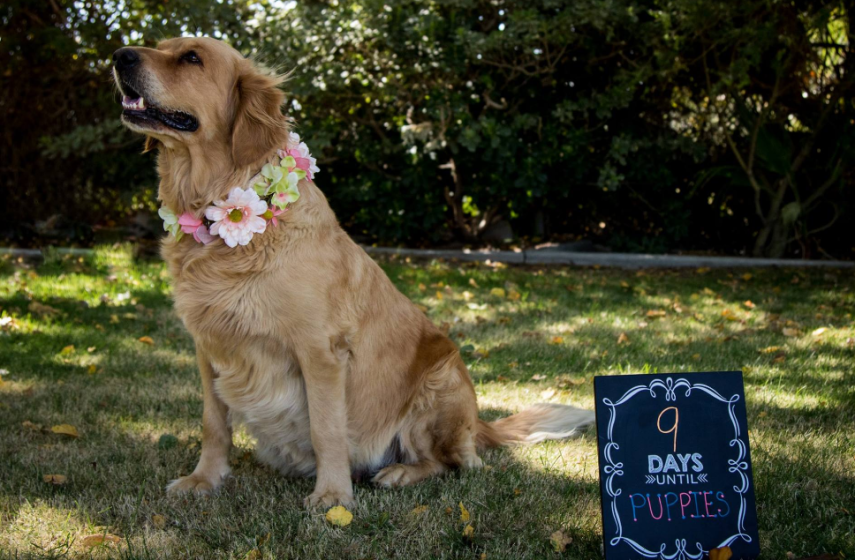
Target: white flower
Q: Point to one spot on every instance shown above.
(238, 217)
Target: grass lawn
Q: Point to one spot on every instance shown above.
(74, 350)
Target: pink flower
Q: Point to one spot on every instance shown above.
(271, 214)
(302, 156)
(191, 224)
(238, 217)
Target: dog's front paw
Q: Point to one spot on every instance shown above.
(329, 497)
(196, 483)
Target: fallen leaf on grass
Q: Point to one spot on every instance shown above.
(158, 521)
(548, 394)
(655, 314)
(696, 357)
(723, 553)
(31, 426)
(747, 276)
(92, 369)
(67, 350)
(769, 349)
(42, 309)
(464, 513)
(97, 540)
(790, 332)
(146, 340)
(469, 531)
(473, 283)
(560, 541)
(535, 377)
(55, 479)
(481, 353)
(819, 331)
(729, 315)
(339, 516)
(253, 554)
(749, 304)
(498, 292)
(418, 510)
(556, 340)
(65, 430)
(514, 295)
(623, 339)
(780, 358)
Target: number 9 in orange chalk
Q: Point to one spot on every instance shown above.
(672, 428)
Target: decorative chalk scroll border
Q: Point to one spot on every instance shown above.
(738, 465)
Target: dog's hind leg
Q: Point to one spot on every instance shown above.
(441, 430)
(400, 474)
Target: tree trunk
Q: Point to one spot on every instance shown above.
(772, 239)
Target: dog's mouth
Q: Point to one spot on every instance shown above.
(148, 115)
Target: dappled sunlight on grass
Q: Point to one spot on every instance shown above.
(48, 530)
(528, 335)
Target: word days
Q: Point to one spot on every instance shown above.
(679, 465)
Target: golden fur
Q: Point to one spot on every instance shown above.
(300, 335)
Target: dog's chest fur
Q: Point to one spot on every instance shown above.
(257, 376)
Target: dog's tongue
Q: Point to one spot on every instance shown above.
(137, 104)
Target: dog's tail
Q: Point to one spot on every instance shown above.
(541, 422)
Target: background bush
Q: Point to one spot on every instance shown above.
(643, 125)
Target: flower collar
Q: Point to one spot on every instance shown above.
(249, 211)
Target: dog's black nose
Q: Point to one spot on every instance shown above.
(125, 58)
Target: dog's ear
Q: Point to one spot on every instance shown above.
(150, 144)
(259, 126)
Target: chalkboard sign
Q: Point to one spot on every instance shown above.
(675, 467)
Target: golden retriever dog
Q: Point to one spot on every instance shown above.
(299, 334)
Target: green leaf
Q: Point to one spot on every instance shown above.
(790, 213)
(167, 441)
(775, 154)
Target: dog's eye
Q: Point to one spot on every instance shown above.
(191, 57)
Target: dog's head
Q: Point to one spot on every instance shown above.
(194, 91)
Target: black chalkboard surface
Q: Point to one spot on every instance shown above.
(675, 466)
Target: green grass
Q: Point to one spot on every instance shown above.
(84, 365)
